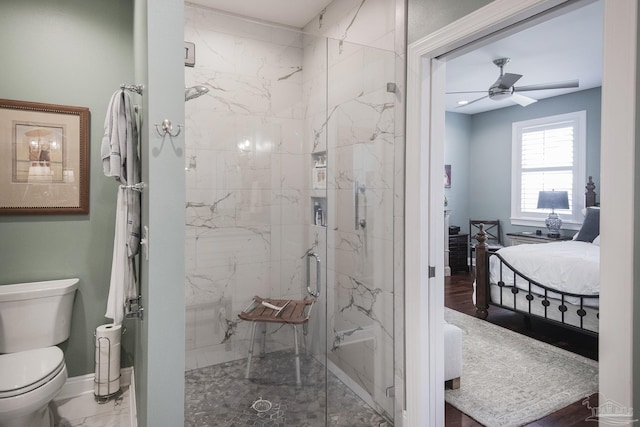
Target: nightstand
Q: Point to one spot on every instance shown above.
(528, 237)
(458, 248)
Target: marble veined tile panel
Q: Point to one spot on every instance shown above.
(316, 132)
(269, 61)
(214, 50)
(314, 57)
(365, 119)
(357, 21)
(359, 304)
(375, 207)
(233, 246)
(294, 171)
(373, 265)
(291, 203)
(288, 279)
(252, 279)
(210, 284)
(290, 138)
(210, 210)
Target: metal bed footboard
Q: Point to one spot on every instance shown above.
(541, 300)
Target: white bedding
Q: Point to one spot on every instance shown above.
(569, 266)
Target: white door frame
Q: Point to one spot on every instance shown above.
(424, 238)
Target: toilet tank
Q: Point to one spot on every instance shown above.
(36, 314)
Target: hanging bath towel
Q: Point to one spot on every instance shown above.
(123, 272)
(120, 159)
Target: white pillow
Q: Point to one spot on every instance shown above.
(596, 241)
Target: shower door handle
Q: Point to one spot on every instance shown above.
(360, 222)
(315, 293)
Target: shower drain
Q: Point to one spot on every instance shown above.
(261, 405)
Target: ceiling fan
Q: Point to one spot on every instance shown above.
(504, 87)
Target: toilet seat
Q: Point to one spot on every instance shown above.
(25, 371)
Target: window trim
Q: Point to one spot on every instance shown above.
(579, 170)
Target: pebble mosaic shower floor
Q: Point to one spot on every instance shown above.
(219, 395)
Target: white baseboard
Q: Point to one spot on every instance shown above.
(83, 384)
(76, 400)
(132, 398)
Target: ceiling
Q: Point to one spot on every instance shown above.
(294, 13)
(567, 47)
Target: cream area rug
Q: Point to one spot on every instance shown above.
(509, 379)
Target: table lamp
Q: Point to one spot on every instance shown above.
(553, 200)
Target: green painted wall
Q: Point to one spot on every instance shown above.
(426, 16)
(159, 365)
(70, 52)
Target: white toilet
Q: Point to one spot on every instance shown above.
(34, 317)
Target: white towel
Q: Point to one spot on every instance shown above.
(120, 159)
(123, 277)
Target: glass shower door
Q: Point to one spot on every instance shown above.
(360, 240)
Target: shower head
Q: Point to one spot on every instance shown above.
(194, 92)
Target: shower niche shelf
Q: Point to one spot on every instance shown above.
(319, 211)
(319, 188)
(319, 170)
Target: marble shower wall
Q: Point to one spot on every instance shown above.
(276, 98)
(246, 171)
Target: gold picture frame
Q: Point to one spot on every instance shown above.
(44, 158)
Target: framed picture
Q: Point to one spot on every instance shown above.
(447, 176)
(44, 158)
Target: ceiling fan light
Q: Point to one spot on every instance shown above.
(498, 94)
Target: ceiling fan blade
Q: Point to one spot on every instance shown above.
(467, 91)
(522, 100)
(544, 86)
(507, 80)
(471, 102)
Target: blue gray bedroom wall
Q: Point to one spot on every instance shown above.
(456, 154)
(69, 52)
(490, 150)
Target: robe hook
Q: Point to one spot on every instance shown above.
(167, 128)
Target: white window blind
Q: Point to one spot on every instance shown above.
(548, 154)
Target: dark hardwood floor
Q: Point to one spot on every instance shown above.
(457, 296)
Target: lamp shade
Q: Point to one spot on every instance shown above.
(553, 200)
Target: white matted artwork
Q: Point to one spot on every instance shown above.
(44, 156)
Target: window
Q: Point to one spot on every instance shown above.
(548, 154)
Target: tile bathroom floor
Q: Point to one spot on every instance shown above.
(219, 395)
(83, 410)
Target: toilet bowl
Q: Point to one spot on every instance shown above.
(33, 318)
(29, 380)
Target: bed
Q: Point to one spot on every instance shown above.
(558, 281)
